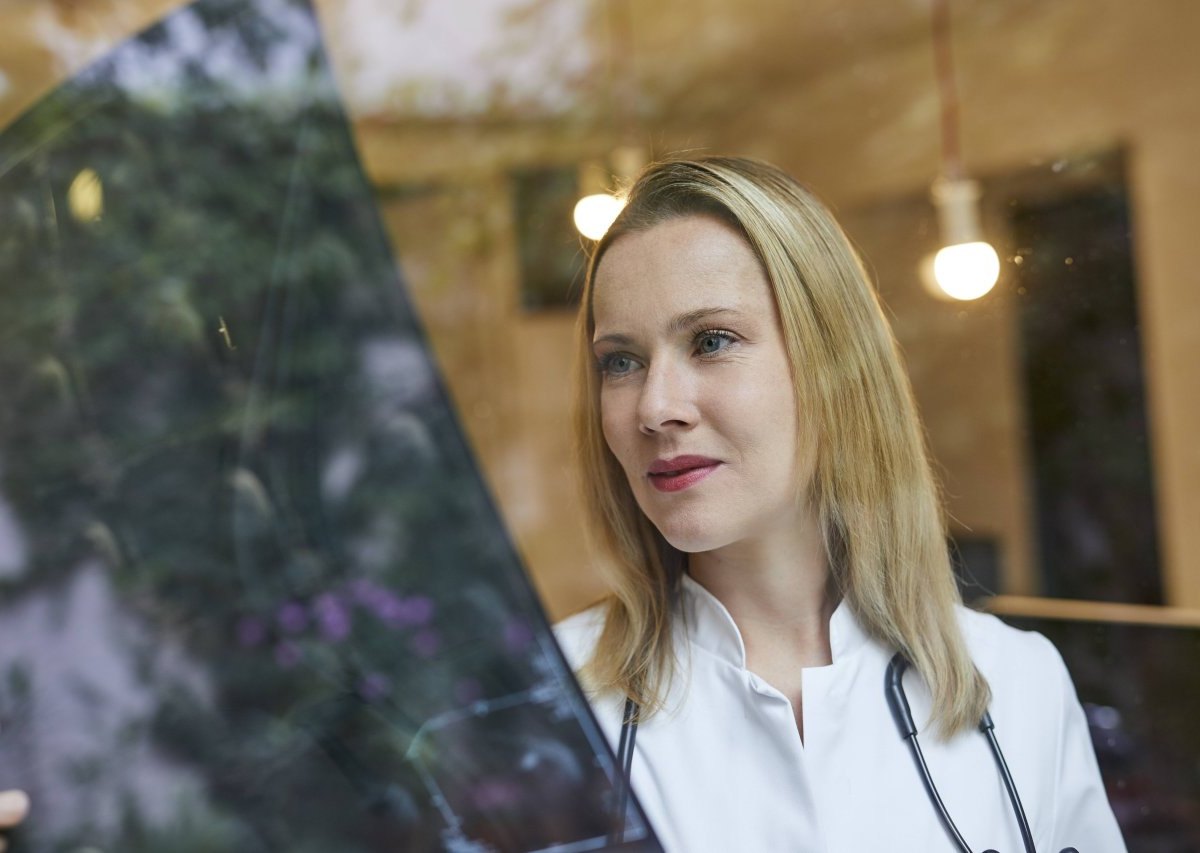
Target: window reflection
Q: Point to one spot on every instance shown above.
(452, 103)
(256, 595)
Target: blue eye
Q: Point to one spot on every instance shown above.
(616, 364)
(712, 342)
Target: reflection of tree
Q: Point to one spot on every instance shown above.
(519, 59)
(216, 389)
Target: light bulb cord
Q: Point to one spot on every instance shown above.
(943, 60)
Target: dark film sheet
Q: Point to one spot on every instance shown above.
(253, 593)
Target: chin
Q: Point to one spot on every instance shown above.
(691, 536)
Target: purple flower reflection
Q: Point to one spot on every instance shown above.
(364, 592)
(292, 617)
(518, 636)
(287, 654)
(373, 686)
(390, 608)
(251, 632)
(333, 617)
(425, 643)
(467, 690)
(420, 609)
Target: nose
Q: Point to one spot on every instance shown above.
(666, 400)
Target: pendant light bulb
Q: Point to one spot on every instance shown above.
(595, 213)
(966, 271)
(967, 266)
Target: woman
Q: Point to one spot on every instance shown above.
(756, 473)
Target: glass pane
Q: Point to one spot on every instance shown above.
(255, 595)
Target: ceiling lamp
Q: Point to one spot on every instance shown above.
(603, 189)
(602, 184)
(966, 267)
(595, 212)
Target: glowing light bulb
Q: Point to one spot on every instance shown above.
(966, 270)
(85, 196)
(595, 213)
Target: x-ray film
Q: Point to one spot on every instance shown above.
(253, 593)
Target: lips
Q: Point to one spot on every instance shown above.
(681, 472)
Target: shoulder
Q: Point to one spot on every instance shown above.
(1045, 731)
(1019, 666)
(577, 635)
(1002, 651)
(993, 640)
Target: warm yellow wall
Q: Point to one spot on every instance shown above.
(1166, 187)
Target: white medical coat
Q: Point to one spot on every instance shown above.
(723, 769)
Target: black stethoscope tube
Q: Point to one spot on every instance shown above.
(986, 727)
(625, 763)
(898, 703)
(902, 714)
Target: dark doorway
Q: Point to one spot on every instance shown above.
(1085, 398)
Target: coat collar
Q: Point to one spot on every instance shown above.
(709, 625)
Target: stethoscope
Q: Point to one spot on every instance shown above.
(898, 703)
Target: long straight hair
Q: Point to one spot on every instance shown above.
(876, 498)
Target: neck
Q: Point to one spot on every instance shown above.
(778, 592)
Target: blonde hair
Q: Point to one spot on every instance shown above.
(872, 487)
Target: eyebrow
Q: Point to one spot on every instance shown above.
(679, 323)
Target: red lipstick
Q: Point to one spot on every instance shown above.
(677, 474)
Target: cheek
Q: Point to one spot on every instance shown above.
(762, 418)
(771, 393)
(611, 426)
(755, 402)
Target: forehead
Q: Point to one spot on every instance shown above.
(677, 266)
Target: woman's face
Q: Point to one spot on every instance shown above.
(697, 399)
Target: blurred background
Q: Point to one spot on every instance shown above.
(1062, 404)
